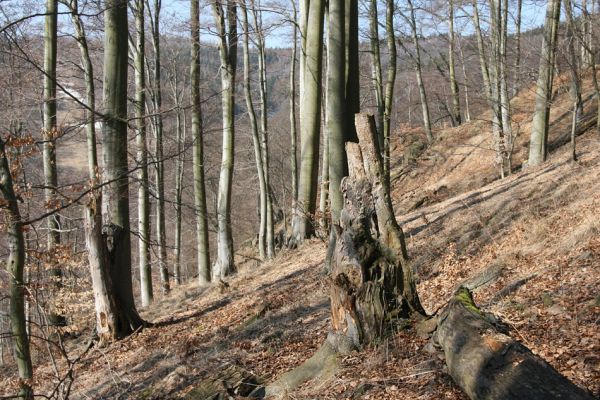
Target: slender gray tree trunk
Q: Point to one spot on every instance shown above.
(50, 133)
(142, 159)
(389, 89)
(517, 66)
(226, 22)
(310, 118)
(539, 129)
(293, 133)
(376, 76)
(456, 114)
(505, 110)
(264, 130)
(419, 73)
(181, 130)
(466, 81)
(161, 235)
(202, 247)
(575, 91)
(15, 264)
(256, 138)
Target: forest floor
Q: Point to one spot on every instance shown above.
(529, 244)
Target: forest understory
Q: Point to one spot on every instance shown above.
(527, 245)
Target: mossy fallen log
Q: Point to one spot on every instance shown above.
(490, 365)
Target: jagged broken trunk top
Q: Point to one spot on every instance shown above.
(372, 283)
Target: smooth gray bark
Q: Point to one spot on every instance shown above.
(539, 129)
(226, 23)
(310, 119)
(456, 114)
(389, 89)
(142, 159)
(293, 132)
(15, 264)
(202, 246)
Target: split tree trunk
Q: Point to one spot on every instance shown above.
(490, 365)
(373, 283)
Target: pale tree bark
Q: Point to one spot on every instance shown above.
(505, 110)
(456, 114)
(256, 138)
(575, 91)
(517, 65)
(142, 158)
(539, 130)
(293, 133)
(159, 184)
(15, 264)
(495, 78)
(180, 136)
(50, 133)
(310, 119)
(264, 130)
(226, 24)
(116, 233)
(202, 246)
(466, 81)
(376, 75)
(418, 70)
(593, 49)
(389, 89)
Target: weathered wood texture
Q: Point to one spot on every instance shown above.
(372, 283)
(489, 365)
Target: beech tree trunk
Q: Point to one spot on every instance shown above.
(539, 130)
(115, 205)
(142, 159)
(15, 264)
(490, 365)
(202, 246)
(311, 19)
(389, 88)
(226, 22)
(372, 282)
(293, 133)
(456, 115)
(256, 139)
(50, 133)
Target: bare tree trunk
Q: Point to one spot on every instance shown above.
(293, 133)
(505, 110)
(419, 73)
(574, 71)
(389, 89)
(256, 139)
(15, 264)
(310, 119)
(517, 66)
(202, 247)
(181, 135)
(142, 159)
(376, 75)
(116, 233)
(456, 115)
(539, 130)
(50, 133)
(161, 235)
(466, 81)
(264, 131)
(226, 22)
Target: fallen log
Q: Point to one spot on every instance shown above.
(489, 365)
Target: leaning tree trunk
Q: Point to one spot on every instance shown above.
(490, 365)
(15, 264)
(372, 279)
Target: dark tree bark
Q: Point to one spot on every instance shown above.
(371, 277)
(490, 365)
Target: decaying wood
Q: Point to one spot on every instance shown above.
(372, 283)
(490, 365)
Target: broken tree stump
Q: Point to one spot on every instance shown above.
(490, 365)
(372, 283)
